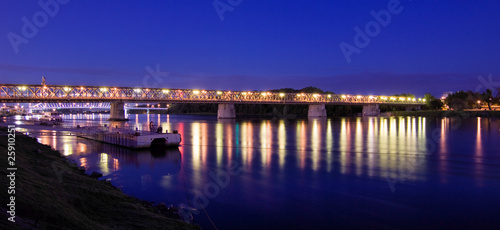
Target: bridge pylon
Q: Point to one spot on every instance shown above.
(371, 110)
(226, 111)
(316, 111)
(117, 112)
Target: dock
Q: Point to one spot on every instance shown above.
(135, 139)
(128, 138)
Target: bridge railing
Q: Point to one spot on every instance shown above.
(55, 93)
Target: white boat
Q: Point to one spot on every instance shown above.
(50, 118)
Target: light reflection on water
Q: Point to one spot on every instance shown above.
(291, 165)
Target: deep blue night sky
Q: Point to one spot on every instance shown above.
(430, 46)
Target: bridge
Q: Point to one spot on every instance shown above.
(117, 96)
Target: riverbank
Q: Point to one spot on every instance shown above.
(448, 113)
(52, 193)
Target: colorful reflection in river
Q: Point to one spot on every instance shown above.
(303, 164)
(371, 146)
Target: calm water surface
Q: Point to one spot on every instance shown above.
(391, 173)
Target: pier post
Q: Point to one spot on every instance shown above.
(226, 111)
(316, 111)
(117, 112)
(371, 110)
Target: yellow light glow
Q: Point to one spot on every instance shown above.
(268, 93)
(67, 89)
(165, 91)
(384, 98)
(393, 98)
(104, 89)
(409, 99)
(402, 98)
(244, 93)
(196, 92)
(344, 96)
(219, 92)
(249, 93)
(413, 99)
(359, 96)
(370, 97)
(298, 95)
(315, 95)
(423, 99)
(22, 88)
(329, 95)
(479, 102)
(137, 90)
(282, 94)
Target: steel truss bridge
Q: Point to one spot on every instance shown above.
(10, 93)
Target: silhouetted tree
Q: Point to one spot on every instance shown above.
(404, 95)
(432, 102)
(462, 100)
(487, 97)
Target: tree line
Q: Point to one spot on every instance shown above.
(461, 100)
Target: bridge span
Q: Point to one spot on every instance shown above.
(117, 96)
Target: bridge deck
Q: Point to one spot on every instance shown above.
(79, 94)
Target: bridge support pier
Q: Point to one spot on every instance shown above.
(371, 110)
(226, 111)
(316, 111)
(117, 112)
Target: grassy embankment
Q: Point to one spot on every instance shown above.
(52, 193)
(448, 113)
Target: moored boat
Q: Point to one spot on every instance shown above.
(50, 118)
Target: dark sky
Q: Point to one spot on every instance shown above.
(425, 46)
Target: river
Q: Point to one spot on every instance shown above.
(335, 173)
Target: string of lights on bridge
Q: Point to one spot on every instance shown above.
(41, 93)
